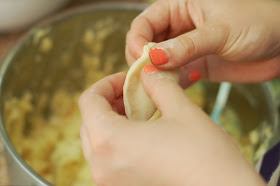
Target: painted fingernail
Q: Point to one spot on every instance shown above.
(150, 68)
(139, 56)
(195, 76)
(158, 56)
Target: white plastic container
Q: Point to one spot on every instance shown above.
(19, 14)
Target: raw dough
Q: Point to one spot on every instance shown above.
(138, 106)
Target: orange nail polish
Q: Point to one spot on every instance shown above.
(139, 56)
(158, 56)
(150, 68)
(195, 76)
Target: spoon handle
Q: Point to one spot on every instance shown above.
(221, 100)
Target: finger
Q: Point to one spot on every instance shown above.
(163, 19)
(205, 40)
(167, 95)
(192, 72)
(257, 71)
(96, 101)
(214, 68)
(134, 46)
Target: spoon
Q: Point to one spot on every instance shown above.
(221, 100)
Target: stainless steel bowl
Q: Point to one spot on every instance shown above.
(21, 71)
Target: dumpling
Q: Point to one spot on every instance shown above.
(138, 105)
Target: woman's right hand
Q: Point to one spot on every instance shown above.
(183, 147)
(233, 40)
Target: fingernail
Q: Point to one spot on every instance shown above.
(158, 56)
(150, 68)
(195, 76)
(139, 56)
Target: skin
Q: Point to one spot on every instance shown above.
(233, 40)
(226, 41)
(183, 147)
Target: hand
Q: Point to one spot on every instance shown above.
(233, 40)
(183, 147)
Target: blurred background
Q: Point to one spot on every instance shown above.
(9, 37)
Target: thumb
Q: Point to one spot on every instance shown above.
(176, 52)
(166, 94)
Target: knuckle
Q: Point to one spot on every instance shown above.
(220, 35)
(102, 142)
(219, 28)
(188, 45)
(86, 95)
(100, 178)
(83, 99)
(90, 93)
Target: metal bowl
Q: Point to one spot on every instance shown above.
(29, 68)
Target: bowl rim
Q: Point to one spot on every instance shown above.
(56, 19)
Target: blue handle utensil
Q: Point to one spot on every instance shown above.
(221, 100)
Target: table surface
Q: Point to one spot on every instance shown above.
(7, 41)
